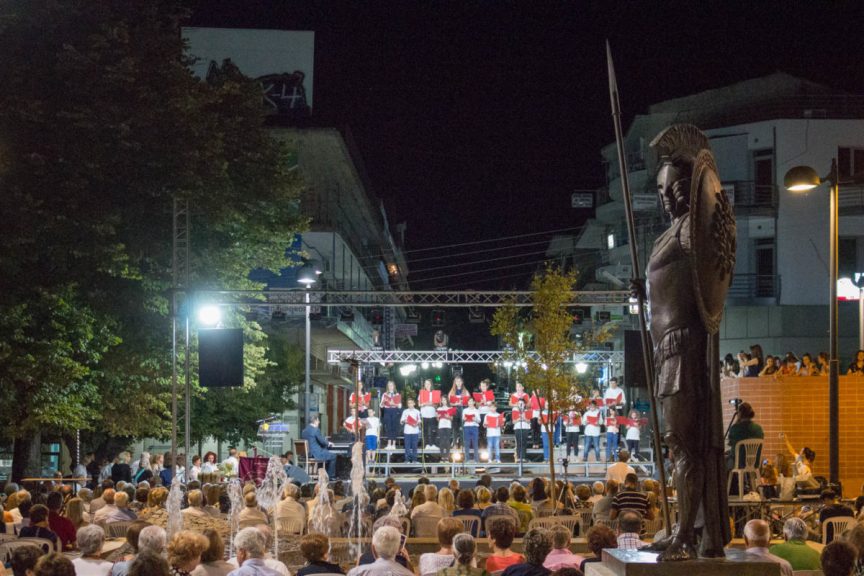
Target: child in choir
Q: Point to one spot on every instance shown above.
(520, 394)
(483, 400)
(470, 424)
(445, 425)
(391, 408)
(633, 433)
(494, 422)
(521, 418)
(411, 420)
(572, 421)
(353, 424)
(591, 418)
(364, 400)
(428, 407)
(614, 396)
(612, 435)
(547, 423)
(458, 400)
(372, 424)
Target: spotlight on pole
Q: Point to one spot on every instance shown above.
(209, 315)
(424, 365)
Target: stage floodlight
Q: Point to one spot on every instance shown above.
(209, 315)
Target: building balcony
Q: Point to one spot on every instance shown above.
(754, 289)
(749, 198)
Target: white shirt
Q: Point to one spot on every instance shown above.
(235, 465)
(445, 422)
(521, 423)
(90, 567)
(632, 433)
(103, 513)
(764, 554)
(592, 429)
(194, 471)
(492, 432)
(618, 472)
(372, 425)
(613, 393)
(571, 427)
(271, 563)
(428, 411)
(471, 411)
(409, 429)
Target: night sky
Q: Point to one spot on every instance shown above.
(476, 120)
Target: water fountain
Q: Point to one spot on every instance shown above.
(174, 507)
(321, 519)
(270, 493)
(360, 498)
(235, 496)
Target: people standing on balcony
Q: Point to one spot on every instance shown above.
(429, 400)
(807, 367)
(770, 367)
(753, 365)
(391, 409)
(730, 368)
(857, 365)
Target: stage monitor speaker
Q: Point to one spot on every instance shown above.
(634, 364)
(220, 357)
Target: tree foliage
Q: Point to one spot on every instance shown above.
(102, 125)
(543, 345)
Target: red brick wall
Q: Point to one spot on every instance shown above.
(798, 406)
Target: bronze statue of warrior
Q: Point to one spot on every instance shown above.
(687, 278)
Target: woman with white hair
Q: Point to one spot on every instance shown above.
(144, 472)
(464, 548)
(90, 540)
(386, 544)
(251, 546)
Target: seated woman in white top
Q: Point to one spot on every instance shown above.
(432, 562)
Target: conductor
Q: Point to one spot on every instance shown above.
(318, 445)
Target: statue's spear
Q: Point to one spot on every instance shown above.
(647, 348)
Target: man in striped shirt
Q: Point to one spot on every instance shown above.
(630, 498)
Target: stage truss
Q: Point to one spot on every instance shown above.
(399, 299)
(460, 356)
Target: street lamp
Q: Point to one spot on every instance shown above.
(307, 276)
(802, 179)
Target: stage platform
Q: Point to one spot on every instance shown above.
(441, 468)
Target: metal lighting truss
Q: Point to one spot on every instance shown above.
(403, 299)
(459, 356)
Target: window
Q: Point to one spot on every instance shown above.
(847, 257)
(764, 287)
(763, 177)
(610, 240)
(850, 161)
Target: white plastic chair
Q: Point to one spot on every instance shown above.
(839, 525)
(748, 468)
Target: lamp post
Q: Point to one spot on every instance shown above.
(802, 179)
(307, 276)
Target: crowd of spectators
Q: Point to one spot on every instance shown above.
(757, 363)
(618, 514)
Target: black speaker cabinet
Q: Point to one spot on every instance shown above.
(220, 357)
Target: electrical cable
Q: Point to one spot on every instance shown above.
(495, 249)
(411, 273)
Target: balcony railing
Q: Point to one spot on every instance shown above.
(748, 194)
(754, 286)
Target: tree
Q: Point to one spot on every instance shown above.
(546, 365)
(102, 125)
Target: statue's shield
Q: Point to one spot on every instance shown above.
(712, 239)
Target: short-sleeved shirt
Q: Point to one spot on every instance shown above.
(744, 430)
(630, 500)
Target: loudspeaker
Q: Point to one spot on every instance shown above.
(220, 357)
(634, 360)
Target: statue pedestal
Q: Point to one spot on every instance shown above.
(635, 563)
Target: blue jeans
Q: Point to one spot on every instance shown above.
(611, 445)
(559, 431)
(411, 441)
(472, 441)
(494, 447)
(544, 437)
(589, 442)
